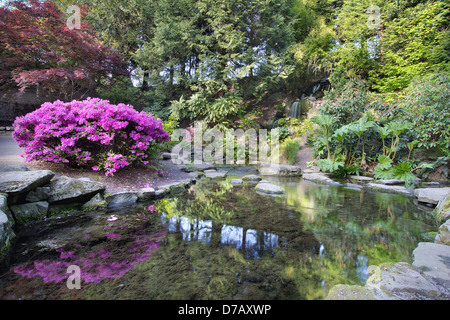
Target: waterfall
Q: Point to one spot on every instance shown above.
(296, 110)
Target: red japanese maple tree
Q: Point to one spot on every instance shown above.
(38, 49)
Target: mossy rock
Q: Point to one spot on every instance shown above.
(348, 292)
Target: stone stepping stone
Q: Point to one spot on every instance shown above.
(361, 178)
(251, 178)
(269, 188)
(392, 182)
(236, 182)
(280, 170)
(431, 195)
(215, 175)
(391, 189)
(320, 178)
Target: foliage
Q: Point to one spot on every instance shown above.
(38, 49)
(290, 149)
(92, 133)
(426, 105)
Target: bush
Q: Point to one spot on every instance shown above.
(92, 133)
(291, 147)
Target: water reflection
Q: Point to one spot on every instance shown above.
(252, 241)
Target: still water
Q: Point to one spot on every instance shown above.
(218, 242)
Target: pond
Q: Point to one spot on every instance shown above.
(219, 241)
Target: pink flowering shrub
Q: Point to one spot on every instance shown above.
(92, 134)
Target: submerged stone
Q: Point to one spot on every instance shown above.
(320, 178)
(251, 178)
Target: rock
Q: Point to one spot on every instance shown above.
(280, 170)
(65, 190)
(38, 194)
(348, 292)
(215, 175)
(353, 186)
(186, 168)
(392, 182)
(314, 169)
(442, 210)
(390, 189)
(146, 194)
(177, 186)
(269, 188)
(251, 178)
(236, 182)
(30, 211)
(96, 203)
(18, 182)
(7, 234)
(361, 178)
(202, 166)
(320, 178)
(431, 195)
(400, 281)
(13, 168)
(123, 198)
(433, 260)
(443, 236)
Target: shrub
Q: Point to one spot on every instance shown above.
(291, 147)
(92, 133)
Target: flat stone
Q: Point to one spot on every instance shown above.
(65, 190)
(145, 194)
(269, 188)
(433, 260)
(236, 182)
(38, 194)
(96, 203)
(251, 177)
(18, 182)
(172, 186)
(391, 182)
(280, 170)
(400, 281)
(124, 198)
(361, 178)
(320, 178)
(30, 211)
(431, 195)
(215, 175)
(390, 189)
(202, 166)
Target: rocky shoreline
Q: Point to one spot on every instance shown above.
(32, 195)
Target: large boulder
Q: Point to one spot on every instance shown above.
(18, 182)
(431, 195)
(69, 190)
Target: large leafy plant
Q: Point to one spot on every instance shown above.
(92, 133)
